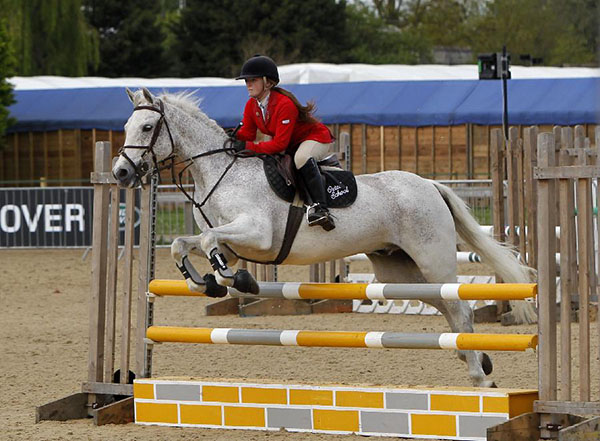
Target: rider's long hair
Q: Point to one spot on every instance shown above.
(305, 113)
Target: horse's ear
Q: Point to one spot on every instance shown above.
(148, 95)
(130, 94)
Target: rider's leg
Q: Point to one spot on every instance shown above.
(305, 160)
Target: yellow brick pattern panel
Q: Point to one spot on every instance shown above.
(244, 416)
(264, 395)
(156, 413)
(495, 404)
(346, 398)
(520, 404)
(311, 397)
(328, 409)
(143, 390)
(201, 414)
(222, 394)
(339, 420)
(440, 425)
(455, 403)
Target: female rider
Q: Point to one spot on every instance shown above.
(277, 113)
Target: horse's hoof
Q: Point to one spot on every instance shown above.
(213, 289)
(244, 282)
(486, 364)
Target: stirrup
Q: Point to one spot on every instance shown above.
(325, 220)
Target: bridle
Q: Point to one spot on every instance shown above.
(142, 168)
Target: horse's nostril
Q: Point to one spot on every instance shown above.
(122, 173)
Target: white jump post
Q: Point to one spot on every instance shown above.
(100, 397)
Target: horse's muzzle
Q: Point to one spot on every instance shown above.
(125, 174)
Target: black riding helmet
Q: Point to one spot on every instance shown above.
(259, 66)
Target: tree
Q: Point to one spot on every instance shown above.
(50, 37)
(6, 90)
(130, 35)
(419, 26)
(169, 22)
(436, 17)
(560, 32)
(371, 40)
(216, 36)
(579, 42)
(389, 10)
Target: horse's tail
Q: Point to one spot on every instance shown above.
(501, 258)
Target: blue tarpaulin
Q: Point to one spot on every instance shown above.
(406, 103)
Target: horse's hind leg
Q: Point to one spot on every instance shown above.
(460, 318)
(400, 268)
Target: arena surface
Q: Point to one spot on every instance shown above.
(44, 348)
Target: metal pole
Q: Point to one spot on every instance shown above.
(504, 64)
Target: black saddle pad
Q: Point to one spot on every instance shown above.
(341, 188)
(340, 185)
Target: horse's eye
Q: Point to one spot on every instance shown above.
(147, 127)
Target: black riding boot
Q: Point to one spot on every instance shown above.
(317, 214)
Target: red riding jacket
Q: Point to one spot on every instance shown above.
(282, 124)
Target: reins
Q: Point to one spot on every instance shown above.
(179, 182)
(170, 159)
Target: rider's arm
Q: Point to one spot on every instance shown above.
(285, 118)
(248, 130)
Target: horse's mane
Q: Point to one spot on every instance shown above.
(190, 104)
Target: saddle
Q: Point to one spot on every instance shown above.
(285, 181)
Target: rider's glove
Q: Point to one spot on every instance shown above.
(238, 145)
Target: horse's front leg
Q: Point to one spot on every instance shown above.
(244, 232)
(180, 249)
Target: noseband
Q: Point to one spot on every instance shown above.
(142, 168)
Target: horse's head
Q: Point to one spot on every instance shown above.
(148, 139)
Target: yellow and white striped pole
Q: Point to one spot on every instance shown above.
(362, 291)
(343, 339)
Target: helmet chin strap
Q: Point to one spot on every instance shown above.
(267, 86)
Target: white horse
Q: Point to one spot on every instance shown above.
(405, 224)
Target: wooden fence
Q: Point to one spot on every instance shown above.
(514, 185)
(440, 152)
(566, 167)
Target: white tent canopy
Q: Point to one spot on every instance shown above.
(309, 73)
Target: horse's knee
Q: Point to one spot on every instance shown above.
(178, 249)
(208, 241)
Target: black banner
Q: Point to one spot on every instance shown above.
(51, 217)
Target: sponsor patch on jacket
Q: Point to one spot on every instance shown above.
(285, 121)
